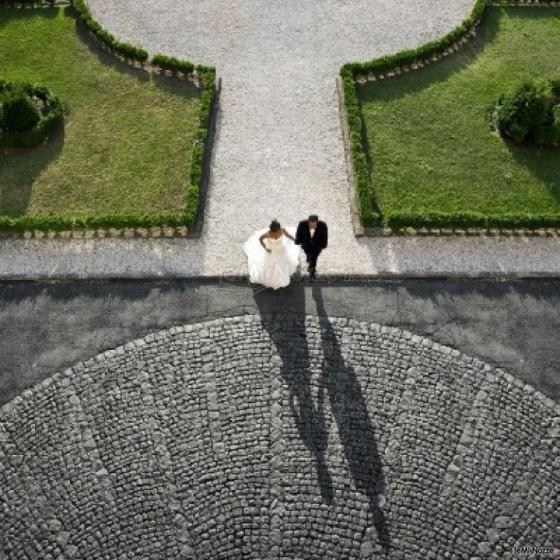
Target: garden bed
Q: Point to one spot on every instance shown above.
(422, 152)
(132, 150)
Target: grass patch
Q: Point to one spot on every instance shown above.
(427, 133)
(127, 143)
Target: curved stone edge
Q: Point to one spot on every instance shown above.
(489, 372)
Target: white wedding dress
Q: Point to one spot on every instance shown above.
(273, 269)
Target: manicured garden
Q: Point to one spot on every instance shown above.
(127, 142)
(428, 142)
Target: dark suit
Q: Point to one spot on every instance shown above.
(312, 245)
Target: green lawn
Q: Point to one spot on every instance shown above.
(128, 138)
(430, 143)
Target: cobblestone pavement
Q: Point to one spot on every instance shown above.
(278, 150)
(278, 436)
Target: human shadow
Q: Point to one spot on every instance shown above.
(338, 385)
(355, 428)
(289, 334)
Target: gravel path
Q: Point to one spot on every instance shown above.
(175, 258)
(279, 150)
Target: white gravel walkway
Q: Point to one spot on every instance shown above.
(278, 150)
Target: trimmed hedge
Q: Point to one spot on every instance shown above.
(128, 51)
(195, 174)
(32, 2)
(370, 214)
(173, 64)
(51, 117)
(399, 219)
(67, 223)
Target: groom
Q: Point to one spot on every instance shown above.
(312, 234)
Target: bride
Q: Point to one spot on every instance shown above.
(272, 256)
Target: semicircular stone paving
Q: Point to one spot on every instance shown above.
(284, 436)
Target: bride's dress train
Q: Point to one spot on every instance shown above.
(273, 269)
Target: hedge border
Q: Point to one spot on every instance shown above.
(29, 3)
(369, 215)
(204, 77)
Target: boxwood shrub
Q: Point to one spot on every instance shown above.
(22, 123)
(198, 158)
(19, 112)
(530, 114)
(66, 223)
(12, 2)
(410, 56)
(366, 197)
(402, 219)
(172, 64)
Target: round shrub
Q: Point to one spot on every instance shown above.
(28, 114)
(19, 112)
(529, 114)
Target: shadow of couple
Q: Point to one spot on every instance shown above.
(283, 315)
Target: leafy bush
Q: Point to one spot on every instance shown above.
(19, 111)
(528, 114)
(23, 124)
(201, 147)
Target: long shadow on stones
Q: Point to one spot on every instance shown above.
(289, 334)
(337, 381)
(355, 429)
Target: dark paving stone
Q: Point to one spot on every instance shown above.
(46, 327)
